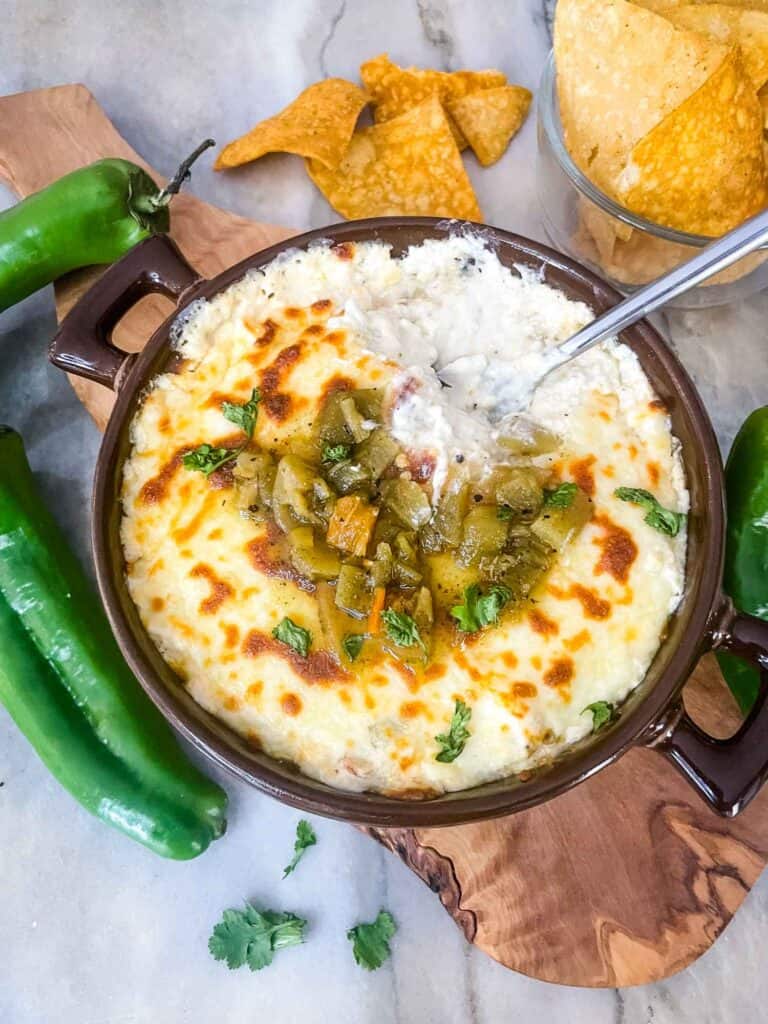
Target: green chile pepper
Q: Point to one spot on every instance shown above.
(746, 553)
(93, 215)
(67, 687)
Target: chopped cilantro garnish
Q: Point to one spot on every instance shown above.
(252, 936)
(243, 416)
(452, 742)
(353, 644)
(205, 458)
(561, 496)
(305, 837)
(660, 518)
(603, 712)
(479, 609)
(401, 628)
(287, 632)
(336, 452)
(370, 942)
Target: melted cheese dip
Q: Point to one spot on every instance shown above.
(210, 594)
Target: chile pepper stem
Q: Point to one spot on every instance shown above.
(165, 195)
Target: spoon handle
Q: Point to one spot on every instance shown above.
(716, 256)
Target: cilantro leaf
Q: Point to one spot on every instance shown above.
(480, 610)
(336, 452)
(665, 520)
(252, 936)
(465, 613)
(353, 644)
(205, 458)
(287, 632)
(243, 416)
(504, 512)
(305, 837)
(662, 519)
(401, 629)
(370, 942)
(603, 712)
(489, 605)
(561, 496)
(453, 741)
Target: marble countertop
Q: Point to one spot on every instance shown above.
(93, 929)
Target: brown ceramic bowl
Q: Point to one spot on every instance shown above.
(727, 773)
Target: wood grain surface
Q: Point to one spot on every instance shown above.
(49, 132)
(622, 881)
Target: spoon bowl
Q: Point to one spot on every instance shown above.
(715, 257)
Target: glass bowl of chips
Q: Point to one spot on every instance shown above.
(621, 246)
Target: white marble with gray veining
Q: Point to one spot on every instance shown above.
(94, 930)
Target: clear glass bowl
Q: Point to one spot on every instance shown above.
(623, 248)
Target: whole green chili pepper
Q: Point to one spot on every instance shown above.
(66, 685)
(93, 215)
(745, 578)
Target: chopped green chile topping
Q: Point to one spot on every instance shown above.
(662, 519)
(408, 502)
(205, 458)
(452, 742)
(483, 535)
(603, 712)
(518, 490)
(296, 637)
(344, 517)
(561, 496)
(243, 416)
(479, 610)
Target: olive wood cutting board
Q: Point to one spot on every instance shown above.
(622, 881)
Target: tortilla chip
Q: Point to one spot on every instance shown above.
(490, 118)
(318, 124)
(665, 5)
(409, 165)
(762, 98)
(605, 231)
(620, 70)
(641, 258)
(394, 89)
(657, 5)
(738, 26)
(702, 168)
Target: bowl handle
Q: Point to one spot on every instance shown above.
(83, 343)
(727, 773)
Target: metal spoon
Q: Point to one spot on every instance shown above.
(746, 238)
